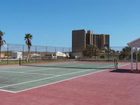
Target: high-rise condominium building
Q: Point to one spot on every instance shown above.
(101, 40)
(81, 39)
(78, 40)
(89, 38)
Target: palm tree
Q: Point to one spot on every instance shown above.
(1, 41)
(28, 38)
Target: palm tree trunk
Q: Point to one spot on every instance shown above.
(0, 53)
(28, 56)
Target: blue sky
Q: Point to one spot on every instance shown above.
(52, 21)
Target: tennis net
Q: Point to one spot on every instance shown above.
(72, 64)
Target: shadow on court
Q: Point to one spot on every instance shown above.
(125, 71)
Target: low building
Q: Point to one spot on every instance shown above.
(17, 55)
(2, 55)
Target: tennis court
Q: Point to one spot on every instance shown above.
(73, 83)
(21, 78)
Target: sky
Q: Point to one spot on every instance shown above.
(51, 21)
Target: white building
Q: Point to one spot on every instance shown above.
(17, 55)
(60, 55)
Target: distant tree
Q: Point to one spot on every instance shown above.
(139, 56)
(125, 53)
(28, 38)
(105, 51)
(2, 42)
(90, 51)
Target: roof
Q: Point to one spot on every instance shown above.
(134, 43)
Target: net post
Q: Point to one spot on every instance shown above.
(19, 61)
(116, 63)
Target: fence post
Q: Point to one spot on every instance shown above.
(19, 61)
(23, 53)
(36, 53)
(63, 50)
(8, 54)
(55, 50)
(46, 53)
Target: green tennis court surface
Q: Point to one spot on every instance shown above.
(22, 78)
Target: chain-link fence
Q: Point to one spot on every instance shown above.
(11, 53)
(107, 54)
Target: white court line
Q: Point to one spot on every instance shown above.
(59, 80)
(43, 79)
(26, 73)
(35, 69)
(94, 72)
(26, 69)
(7, 91)
(124, 65)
